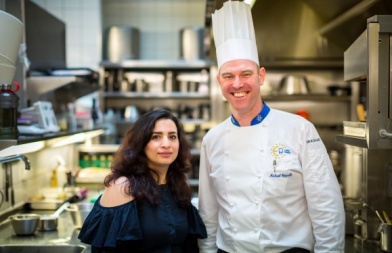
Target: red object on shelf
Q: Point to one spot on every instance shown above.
(303, 113)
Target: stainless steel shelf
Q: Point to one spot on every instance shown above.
(25, 139)
(161, 95)
(351, 140)
(308, 97)
(158, 64)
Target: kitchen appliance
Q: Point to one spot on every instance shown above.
(191, 43)
(121, 43)
(367, 62)
(38, 119)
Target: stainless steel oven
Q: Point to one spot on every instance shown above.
(368, 62)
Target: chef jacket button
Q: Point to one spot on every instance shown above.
(227, 178)
(234, 230)
(231, 204)
(262, 150)
(256, 230)
(226, 153)
(259, 176)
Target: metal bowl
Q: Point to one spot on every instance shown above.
(79, 212)
(25, 224)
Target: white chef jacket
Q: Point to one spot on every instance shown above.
(269, 187)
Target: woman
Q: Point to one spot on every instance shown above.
(146, 205)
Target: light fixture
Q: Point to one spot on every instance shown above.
(23, 148)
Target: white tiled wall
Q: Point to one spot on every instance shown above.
(83, 29)
(159, 22)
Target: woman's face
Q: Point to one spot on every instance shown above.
(162, 149)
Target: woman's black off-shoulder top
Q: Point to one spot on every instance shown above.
(140, 227)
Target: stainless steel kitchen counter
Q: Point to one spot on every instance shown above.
(66, 233)
(355, 246)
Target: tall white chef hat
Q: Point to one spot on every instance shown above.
(234, 34)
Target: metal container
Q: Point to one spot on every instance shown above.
(25, 224)
(122, 43)
(79, 212)
(386, 237)
(293, 85)
(48, 223)
(192, 43)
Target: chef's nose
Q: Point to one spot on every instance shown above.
(237, 82)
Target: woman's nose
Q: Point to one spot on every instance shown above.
(165, 142)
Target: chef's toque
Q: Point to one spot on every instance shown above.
(234, 34)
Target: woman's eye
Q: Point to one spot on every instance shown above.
(173, 137)
(154, 137)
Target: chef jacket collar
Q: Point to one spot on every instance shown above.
(256, 120)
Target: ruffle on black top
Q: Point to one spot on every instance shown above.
(106, 226)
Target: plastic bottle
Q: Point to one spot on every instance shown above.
(53, 179)
(94, 113)
(9, 103)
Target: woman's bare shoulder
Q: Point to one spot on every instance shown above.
(116, 194)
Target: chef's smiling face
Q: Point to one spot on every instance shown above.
(162, 149)
(240, 82)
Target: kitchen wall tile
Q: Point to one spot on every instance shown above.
(73, 17)
(52, 4)
(74, 3)
(159, 22)
(83, 27)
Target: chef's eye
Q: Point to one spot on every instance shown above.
(227, 77)
(247, 74)
(173, 137)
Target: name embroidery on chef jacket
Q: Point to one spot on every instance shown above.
(278, 151)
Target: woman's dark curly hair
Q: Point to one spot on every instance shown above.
(130, 161)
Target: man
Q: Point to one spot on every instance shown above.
(266, 181)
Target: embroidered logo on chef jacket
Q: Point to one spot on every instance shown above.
(278, 151)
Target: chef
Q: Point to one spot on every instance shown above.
(266, 183)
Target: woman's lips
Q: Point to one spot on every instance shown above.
(165, 154)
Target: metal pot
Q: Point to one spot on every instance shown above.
(122, 43)
(192, 43)
(47, 223)
(79, 212)
(293, 85)
(386, 237)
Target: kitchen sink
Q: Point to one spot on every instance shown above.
(19, 248)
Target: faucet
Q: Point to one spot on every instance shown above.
(8, 173)
(13, 158)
